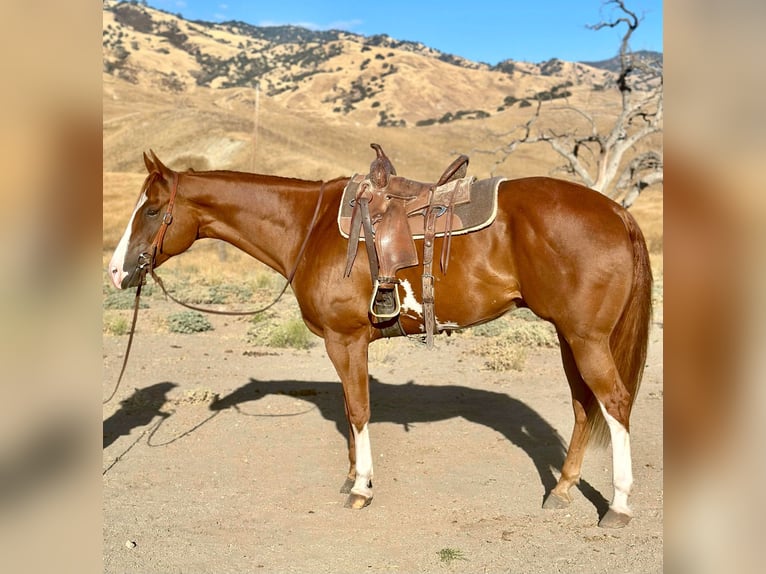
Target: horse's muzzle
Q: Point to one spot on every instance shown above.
(133, 279)
(125, 279)
(137, 275)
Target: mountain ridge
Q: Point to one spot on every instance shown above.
(372, 80)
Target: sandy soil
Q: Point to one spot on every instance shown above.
(220, 456)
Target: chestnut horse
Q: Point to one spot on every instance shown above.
(568, 253)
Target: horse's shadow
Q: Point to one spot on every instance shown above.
(403, 404)
(410, 403)
(138, 410)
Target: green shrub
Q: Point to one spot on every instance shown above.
(292, 334)
(218, 294)
(289, 334)
(124, 299)
(492, 329)
(188, 322)
(447, 555)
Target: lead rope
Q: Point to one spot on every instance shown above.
(130, 343)
(150, 264)
(216, 311)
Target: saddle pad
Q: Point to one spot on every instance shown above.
(469, 216)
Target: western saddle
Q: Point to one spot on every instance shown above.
(383, 206)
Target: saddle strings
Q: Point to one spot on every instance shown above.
(157, 244)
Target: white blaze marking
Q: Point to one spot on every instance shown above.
(622, 470)
(363, 462)
(116, 273)
(410, 303)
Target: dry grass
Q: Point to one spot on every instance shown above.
(382, 352)
(648, 211)
(502, 354)
(311, 146)
(115, 323)
(505, 342)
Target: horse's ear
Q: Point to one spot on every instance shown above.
(148, 163)
(165, 171)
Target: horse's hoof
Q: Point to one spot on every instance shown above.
(556, 501)
(347, 486)
(614, 519)
(357, 501)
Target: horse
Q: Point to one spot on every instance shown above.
(568, 253)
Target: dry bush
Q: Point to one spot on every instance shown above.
(115, 323)
(502, 354)
(510, 338)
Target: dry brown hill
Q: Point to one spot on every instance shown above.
(294, 102)
(370, 80)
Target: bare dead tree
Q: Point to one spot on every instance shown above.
(602, 161)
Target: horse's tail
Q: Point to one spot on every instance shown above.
(630, 339)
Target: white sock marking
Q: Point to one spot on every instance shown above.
(362, 485)
(622, 470)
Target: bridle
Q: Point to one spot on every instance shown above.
(147, 258)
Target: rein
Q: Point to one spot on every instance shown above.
(157, 244)
(130, 342)
(146, 264)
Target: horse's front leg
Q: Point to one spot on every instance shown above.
(348, 354)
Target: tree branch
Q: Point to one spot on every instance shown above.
(649, 163)
(595, 157)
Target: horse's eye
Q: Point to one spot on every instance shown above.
(152, 212)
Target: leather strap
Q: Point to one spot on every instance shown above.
(167, 219)
(353, 237)
(372, 254)
(447, 242)
(429, 319)
(360, 216)
(136, 301)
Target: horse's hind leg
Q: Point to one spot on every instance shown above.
(581, 397)
(597, 368)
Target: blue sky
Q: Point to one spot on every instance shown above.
(480, 30)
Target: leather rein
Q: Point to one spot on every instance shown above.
(146, 265)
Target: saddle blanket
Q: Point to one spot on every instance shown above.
(474, 212)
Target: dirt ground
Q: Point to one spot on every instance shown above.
(220, 456)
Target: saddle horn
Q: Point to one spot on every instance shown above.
(381, 168)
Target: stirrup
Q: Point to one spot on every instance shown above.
(397, 304)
